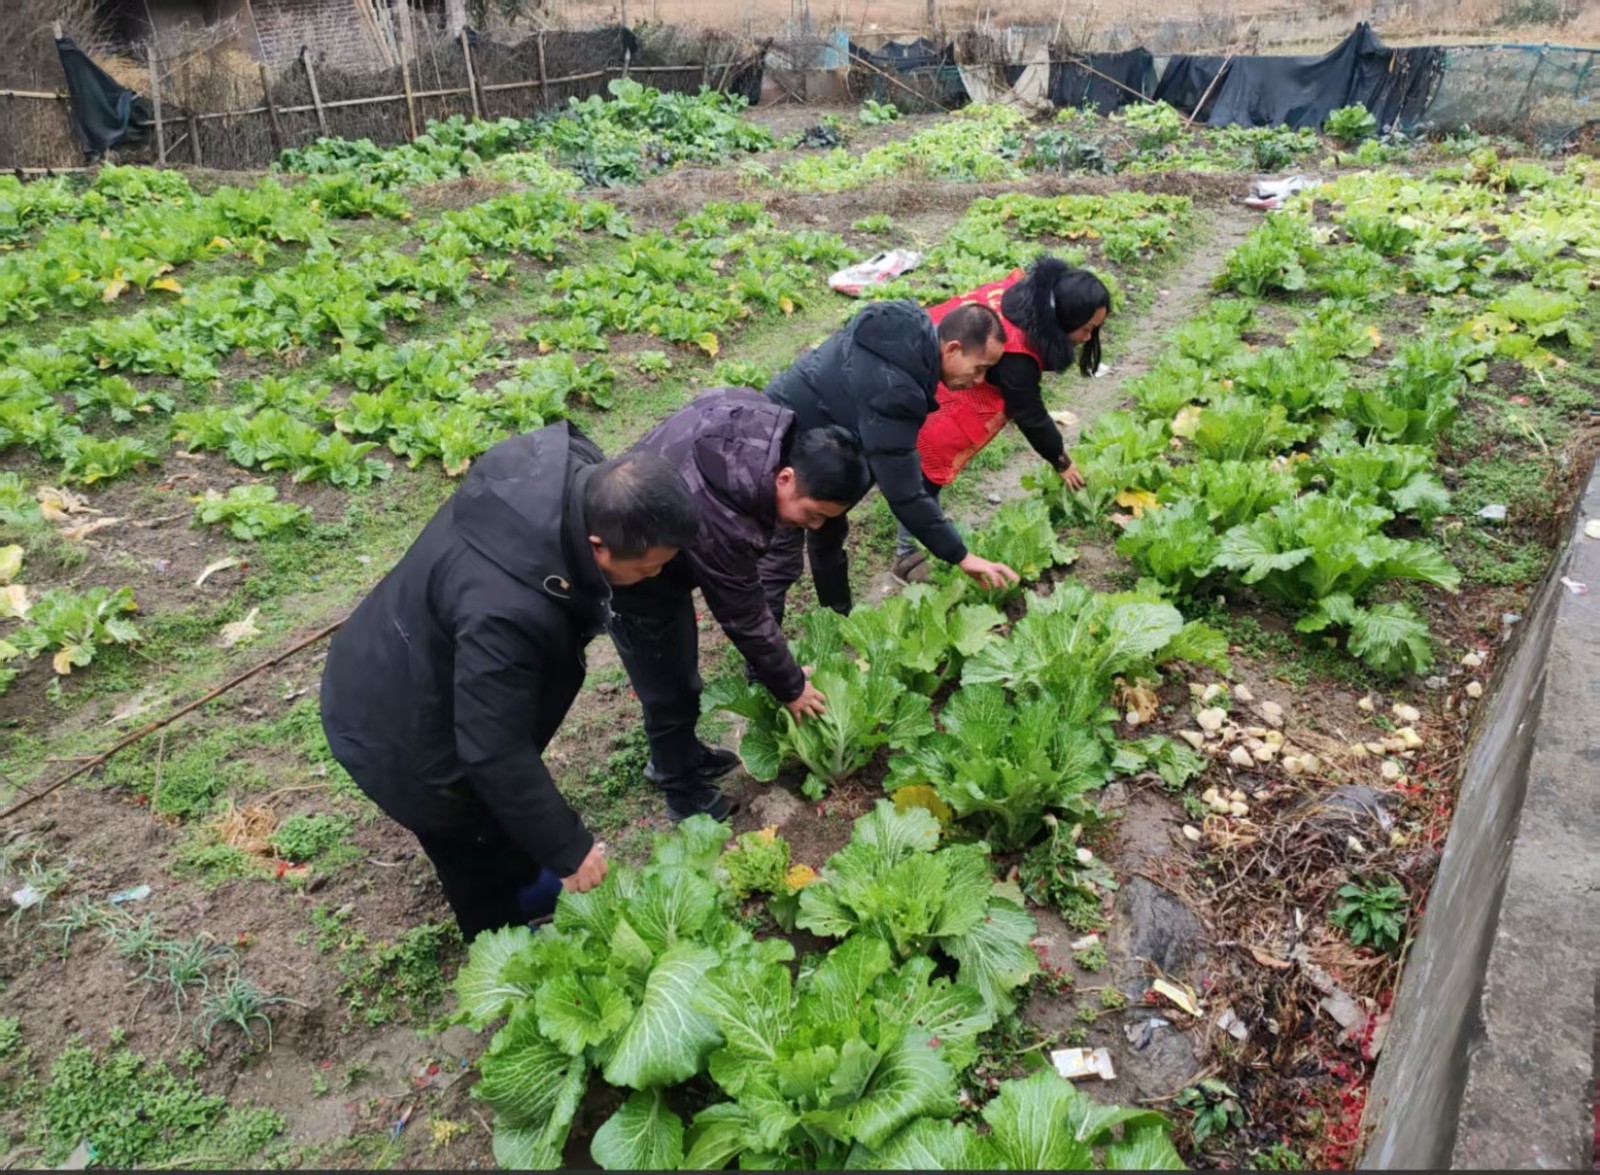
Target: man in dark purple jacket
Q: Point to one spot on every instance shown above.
(753, 471)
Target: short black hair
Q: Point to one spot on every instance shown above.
(829, 465)
(639, 501)
(972, 325)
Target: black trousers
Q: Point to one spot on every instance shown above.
(785, 559)
(482, 876)
(653, 627)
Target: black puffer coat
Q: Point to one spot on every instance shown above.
(444, 687)
(877, 378)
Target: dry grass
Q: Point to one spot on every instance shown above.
(248, 829)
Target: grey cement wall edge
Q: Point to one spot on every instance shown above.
(1489, 1059)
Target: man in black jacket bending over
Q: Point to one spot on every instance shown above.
(756, 475)
(446, 684)
(876, 379)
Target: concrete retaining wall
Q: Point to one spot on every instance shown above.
(1489, 1061)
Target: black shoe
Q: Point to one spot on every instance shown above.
(713, 764)
(713, 804)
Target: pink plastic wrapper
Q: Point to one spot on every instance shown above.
(875, 271)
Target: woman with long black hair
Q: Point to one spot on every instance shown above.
(1052, 313)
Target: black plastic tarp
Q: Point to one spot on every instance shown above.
(1091, 80)
(902, 56)
(105, 113)
(1302, 91)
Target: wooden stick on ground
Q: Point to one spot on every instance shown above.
(163, 723)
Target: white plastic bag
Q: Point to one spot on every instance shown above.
(875, 271)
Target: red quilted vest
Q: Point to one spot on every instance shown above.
(967, 420)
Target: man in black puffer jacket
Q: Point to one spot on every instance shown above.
(446, 684)
(876, 379)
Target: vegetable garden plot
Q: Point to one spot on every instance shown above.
(1025, 724)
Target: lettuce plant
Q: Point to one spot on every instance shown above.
(1074, 643)
(1003, 763)
(894, 882)
(867, 709)
(924, 634)
(1233, 491)
(1174, 545)
(610, 987)
(1319, 545)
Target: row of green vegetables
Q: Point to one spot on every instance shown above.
(113, 395)
(992, 144)
(1300, 471)
(1280, 465)
(731, 1052)
(433, 401)
(1305, 474)
(607, 142)
(132, 228)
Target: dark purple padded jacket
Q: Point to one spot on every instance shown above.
(729, 445)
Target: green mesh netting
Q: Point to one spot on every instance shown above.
(1545, 93)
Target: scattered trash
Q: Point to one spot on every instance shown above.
(1337, 1002)
(1507, 619)
(27, 897)
(1407, 714)
(364, 560)
(1494, 512)
(1472, 660)
(874, 271)
(1270, 195)
(240, 631)
(1193, 737)
(1240, 757)
(1282, 189)
(1211, 720)
(1365, 705)
(57, 505)
(1180, 996)
(162, 566)
(1573, 586)
(1592, 528)
(82, 1155)
(1269, 960)
(137, 894)
(1192, 833)
(405, 1116)
(1242, 692)
(1075, 1063)
(84, 530)
(1474, 689)
(1142, 1032)
(212, 569)
(1232, 1025)
(820, 137)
